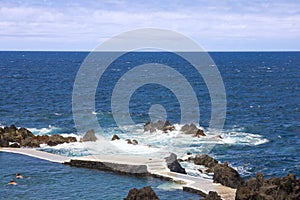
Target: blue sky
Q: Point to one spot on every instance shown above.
(227, 25)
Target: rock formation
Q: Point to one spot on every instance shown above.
(89, 136)
(22, 137)
(115, 137)
(227, 176)
(164, 126)
(145, 193)
(192, 129)
(174, 165)
(274, 188)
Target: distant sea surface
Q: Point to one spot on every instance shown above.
(261, 132)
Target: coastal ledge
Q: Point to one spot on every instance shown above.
(139, 170)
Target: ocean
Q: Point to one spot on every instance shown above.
(261, 132)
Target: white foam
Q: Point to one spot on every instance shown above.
(44, 131)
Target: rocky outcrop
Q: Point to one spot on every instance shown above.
(212, 196)
(227, 176)
(115, 137)
(164, 126)
(174, 165)
(58, 139)
(274, 188)
(134, 142)
(145, 193)
(89, 136)
(205, 160)
(192, 129)
(22, 137)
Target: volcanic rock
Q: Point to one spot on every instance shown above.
(227, 176)
(115, 137)
(145, 193)
(274, 188)
(174, 165)
(89, 136)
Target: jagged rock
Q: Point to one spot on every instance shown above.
(212, 196)
(174, 165)
(192, 129)
(115, 137)
(274, 188)
(30, 142)
(205, 160)
(55, 140)
(227, 176)
(89, 136)
(164, 126)
(145, 193)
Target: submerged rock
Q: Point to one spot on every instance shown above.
(174, 165)
(274, 188)
(227, 176)
(89, 136)
(145, 193)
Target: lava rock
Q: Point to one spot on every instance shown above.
(191, 129)
(89, 136)
(164, 126)
(145, 193)
(274, 188)
(174, 165)
(227, 176)
(205, 160)
(115, 137)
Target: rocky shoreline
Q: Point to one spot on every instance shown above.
(21, 137)
(255, 188)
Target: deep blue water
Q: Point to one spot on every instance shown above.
(263, 98)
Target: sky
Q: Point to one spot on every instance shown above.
(81, 25)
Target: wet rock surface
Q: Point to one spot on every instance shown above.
(145, 193)
(22, 137)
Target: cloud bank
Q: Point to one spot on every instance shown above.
(216, 25)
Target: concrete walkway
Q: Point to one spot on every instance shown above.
(128, 164)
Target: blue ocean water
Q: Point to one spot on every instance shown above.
(261, 131)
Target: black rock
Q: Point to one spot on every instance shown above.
(115, 137)
(174, 165)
